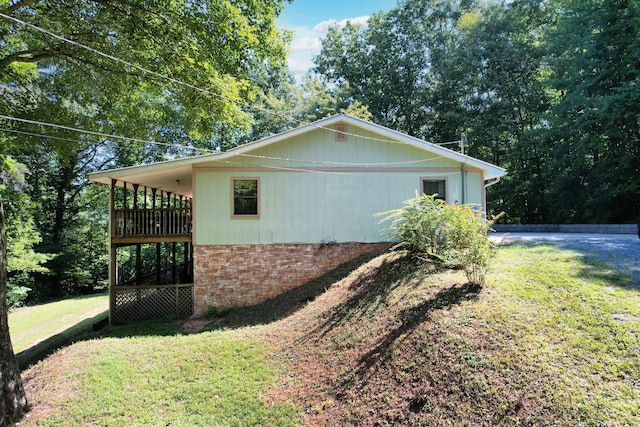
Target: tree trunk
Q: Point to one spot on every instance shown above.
(13, 402)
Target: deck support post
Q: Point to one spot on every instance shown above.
(113, 250)
(173, 263)
(158, 244)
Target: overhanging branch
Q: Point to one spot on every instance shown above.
(18, 5)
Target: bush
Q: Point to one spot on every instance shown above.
(452, 235)
(18, 289)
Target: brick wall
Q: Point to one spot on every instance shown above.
(241, 275)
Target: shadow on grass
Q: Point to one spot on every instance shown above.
(289, 302)
(409, 320)
(372, 288)
(264, 313)
(79, 332)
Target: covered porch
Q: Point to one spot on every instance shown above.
(151, 247)
(151, 259)
(150, 240)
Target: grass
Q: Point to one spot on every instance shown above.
(552, 339)
(212, 379)
(31, 325)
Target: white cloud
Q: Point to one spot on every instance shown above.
(300, 66)
(307, 43)
(323, 27)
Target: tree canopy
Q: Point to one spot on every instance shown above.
(173, 72)
(546, 89)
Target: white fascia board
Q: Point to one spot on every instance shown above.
(106, 175)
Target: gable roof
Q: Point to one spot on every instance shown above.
(175, 175)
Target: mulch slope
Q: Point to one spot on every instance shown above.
(360, 354)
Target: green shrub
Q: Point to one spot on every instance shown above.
(452, 235)
(18, 289)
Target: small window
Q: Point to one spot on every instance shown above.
(245, 197)
(435, 186)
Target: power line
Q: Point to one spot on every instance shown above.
(194, 148)
(447, 143)
(191, 86)
(320, 162)
(145, 70)
(101, 134)
(395, 173)
(38, 135)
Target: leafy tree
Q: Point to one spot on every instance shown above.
(212, 45)
(596, 121)
(217, 46)
(22, 237)
(498, 68)
(295, 105)
(388, 65)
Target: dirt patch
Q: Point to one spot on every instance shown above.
(621, 317)
(194, 324)
(51, 383)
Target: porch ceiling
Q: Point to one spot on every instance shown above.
(176, 179)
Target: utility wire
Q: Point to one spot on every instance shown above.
(191, 86)
(38, 135)
(194, 148)
(104, 135)
(395, 173)
(146, 70)
(320, 162)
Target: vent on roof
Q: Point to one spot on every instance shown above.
(341, 132)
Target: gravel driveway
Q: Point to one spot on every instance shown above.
(620, 251)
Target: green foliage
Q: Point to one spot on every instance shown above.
(23, 260)
(596, 72)
(233, 50)
(212, 45)
(453, 235)
(469, 231)
(546, 89)
(18, 288)
(388, 65)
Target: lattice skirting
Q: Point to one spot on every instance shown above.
(134, 303)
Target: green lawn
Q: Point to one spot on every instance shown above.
(29, 326)
(552, 339)
(208, 379)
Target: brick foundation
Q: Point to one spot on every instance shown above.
(242, 275)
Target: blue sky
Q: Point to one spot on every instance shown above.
(310, 19)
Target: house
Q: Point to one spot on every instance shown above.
(239, 227)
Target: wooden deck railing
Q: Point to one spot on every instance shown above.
(152, 222)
